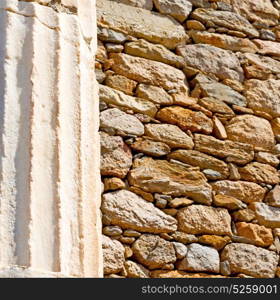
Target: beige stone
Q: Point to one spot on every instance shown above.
(154, 93)
(250, 260)
(113, 255)
(200, 259)
(237, 152)
(149, 72)
(121, 83)
(268, 48)
(112, 184)
(200, 219)
(267, 158)
(177, 202)
(169, 134)
(228, 202)
(223, 41)
(259, 235)
(154, 27)
(260, 173)
(251, 130)
(209, 59)
(150, 147)
(129, 211)
(264, 96)
(181, 274)
(157, 52)
(183, 237)
(215, 241)
(245, 191)
(276, 126)
(203, 161)
(244, 215)
(225, 19)
(134, 270)
(180, 249)
(120, 121)
(160, 176)
(179, 9)
(216, 106)
(112, 96)
(186, 119)
(146, 4)
(116, 158)
(219, 129)
(259, 12)
(273, 197)
(266, 215)
(153, 251)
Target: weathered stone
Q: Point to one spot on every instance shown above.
(276, 126)
(114, 183)
(260, 67)
(251, 130)
(245, 191)
(199, 219)
(186, 119)
(181, 274)
(264, 96)
(113, 255)
(160, 176)
(116, 158)
(267, 158)
(233, 172)
(258, 235)
(121, 83)
(119, 121)
(268, 48)
(225, 19)
(273, 197)
(155, 52)
(183, 237)
(228, 202)
(150, 147)
(180, 202)
(244, 215)
(223, 41)
(194, 24)
(112, 96)
(216, 106)
(169, 134)
(146, 4)
(101, 54)
(180, 249)
(111, 36)
(268, 216)
(154, 27)
(259, 173)
(111, 47)
(131, 233)
(215, 241)
(147, 196)
(239, 153)
(153, 251)
(112, 230)
(250, 260)
(130, 211)
(179, 9)
(219, 129)
(154, 93)
(259, 12)
(200, 259)
(149, 72)
(134, 270)
(209, 59)
(201, 160)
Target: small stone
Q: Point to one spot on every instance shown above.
(154, 93)
(118, 120)
(166, 236)
(113, 255)
(131, 233)
(183, 237)
(127, 251)
(113, 48)
(228, 202)
(219, 129)
(200, 259)
(225, 268)
(215, 241)
(200, 219)
(153, 251)
(134, 270)
(267, 158)
(259, 235)
(181, 274)
(146, 4)
(273, 197)
(169, 134)
(233, 172)
(112, 230)
(111, 36)
(268, 48)
(112, 184)
(150, 147)
(250, 260)
(216, 106)
(180, 249)
(127, 240)
(121, 83)
(170, 211)
(194, 24)
(244, 215)
(268, 216)
(147, 196)
(168, 267)
(161, 203)
(180, 202)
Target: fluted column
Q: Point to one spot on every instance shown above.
(49, 146)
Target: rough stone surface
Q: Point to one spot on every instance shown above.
(150, 147)
(113, 255)
(153, 251)
(266, 215)
(200, 259)
(135, 270)
(154, 93)
(273, 197)
(250, 260)
(130, 211)
(147, 4)
(199, 219)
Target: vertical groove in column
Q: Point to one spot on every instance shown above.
(43, 184)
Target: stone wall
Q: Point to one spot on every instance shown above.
(190, 137)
